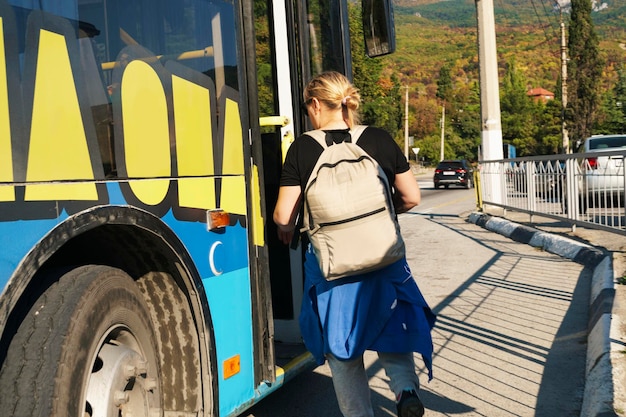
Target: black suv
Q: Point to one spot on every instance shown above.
(455, 172)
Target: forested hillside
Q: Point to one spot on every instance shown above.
(431, 32)
(433, 35)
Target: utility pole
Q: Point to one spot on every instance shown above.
(564, 86)
(406, 123)
(443, 127)
(491, 134)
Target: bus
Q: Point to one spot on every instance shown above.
(141, 143)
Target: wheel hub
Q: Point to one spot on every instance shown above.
(119, 384)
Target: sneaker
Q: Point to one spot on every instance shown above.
(410, 405)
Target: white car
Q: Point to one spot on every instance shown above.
(603, 175)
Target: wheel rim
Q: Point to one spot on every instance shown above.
(122, 380)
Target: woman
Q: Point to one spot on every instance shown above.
(381, 310)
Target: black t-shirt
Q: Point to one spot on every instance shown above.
(305, 151)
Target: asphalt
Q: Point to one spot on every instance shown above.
(604, 253)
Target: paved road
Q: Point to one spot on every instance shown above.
(511, 333)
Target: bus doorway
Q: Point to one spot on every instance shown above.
(294, 40)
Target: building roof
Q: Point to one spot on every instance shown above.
(540, 92)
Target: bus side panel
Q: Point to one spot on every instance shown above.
(146, 179)
(233, 331)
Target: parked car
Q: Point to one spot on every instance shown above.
(604, 174)
(601, 182)
(454, 172)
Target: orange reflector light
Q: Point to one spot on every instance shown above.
(232, 366)
(217, 219)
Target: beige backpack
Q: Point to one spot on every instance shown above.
(348, 211)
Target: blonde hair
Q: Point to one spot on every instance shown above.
(335, 91)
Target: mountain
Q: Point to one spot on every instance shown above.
(431, 33)
(604, 11)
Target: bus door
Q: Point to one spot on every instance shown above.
(280, 120)
(294, 40)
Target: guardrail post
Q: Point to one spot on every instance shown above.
(571, 196)
(531, 194)
(623, 201)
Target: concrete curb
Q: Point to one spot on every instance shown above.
(598, 397)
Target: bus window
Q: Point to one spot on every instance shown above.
(327, 34)
(65, 9)
(266, 71)
(111, 33)
(190, 33)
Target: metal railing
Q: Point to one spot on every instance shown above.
(586, 189)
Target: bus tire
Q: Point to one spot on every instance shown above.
(87, 347)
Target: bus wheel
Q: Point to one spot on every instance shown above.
(86, 348)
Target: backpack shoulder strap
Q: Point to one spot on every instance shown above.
(320, 136)
(356, 132)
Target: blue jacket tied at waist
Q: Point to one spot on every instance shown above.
(383, 311)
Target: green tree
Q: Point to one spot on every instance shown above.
(461, 101)
(619, 94)
(444, 83)
(620, 99)
(518, 113)
(584, 71)
(380, 90)
(444, 93)
(429, 147)
(612, 112)
(464, 116)
(548, 136)
(424, 114)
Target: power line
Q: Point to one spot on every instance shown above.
(550, 13)
(554, 28)
(539, 19)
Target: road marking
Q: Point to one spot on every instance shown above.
(447, 203)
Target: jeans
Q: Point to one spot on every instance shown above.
(352, 387)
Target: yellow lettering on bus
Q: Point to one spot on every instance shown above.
(146, 132)
(233, 195)
(58, 145)
(258, 234)
(6, 164)
(194, 144)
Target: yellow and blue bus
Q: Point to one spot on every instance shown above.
(141, 143)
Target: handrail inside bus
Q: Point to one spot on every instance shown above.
(200, 53)
(281, 121)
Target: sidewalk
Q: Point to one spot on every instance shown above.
(605, 254)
